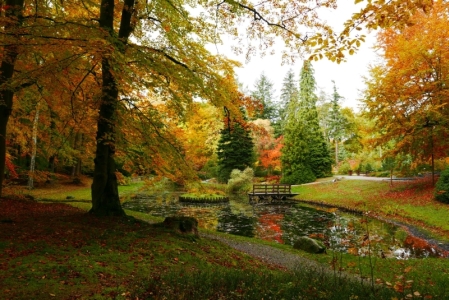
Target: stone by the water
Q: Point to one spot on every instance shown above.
(309, 245)
(182, 224)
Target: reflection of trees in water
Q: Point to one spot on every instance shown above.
(207, 215)
(285, 223)
(305, 221)
(156, 205)
(269, 227)
(238, 224)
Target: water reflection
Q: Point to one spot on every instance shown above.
(286, 222)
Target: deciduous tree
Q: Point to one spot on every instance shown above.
(407, 95)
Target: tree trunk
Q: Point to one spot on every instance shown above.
(14, 11)
(391, 177)
(34, 148)
(105, 197)
(52, 158)
(78, 144)
(336, 154)
(433, 157)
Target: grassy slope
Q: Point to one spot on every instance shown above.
(409, 202)
(54, 250)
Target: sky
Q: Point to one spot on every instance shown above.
(348, 76)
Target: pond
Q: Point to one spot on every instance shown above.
(285, 222)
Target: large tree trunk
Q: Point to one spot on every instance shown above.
(14, 11)
(105, 197)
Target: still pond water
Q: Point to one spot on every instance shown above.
(285, 222)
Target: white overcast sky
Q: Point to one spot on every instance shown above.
(347, 75)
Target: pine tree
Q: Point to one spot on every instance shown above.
(289, 91)
(235, 150)
(264, 92)
(305, 156)
(336, 122)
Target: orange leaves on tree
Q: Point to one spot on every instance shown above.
(406, 95)
(11, 167)
(271, 158)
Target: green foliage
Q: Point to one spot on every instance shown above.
(368, 168)
(263, 92)
(210, 169)
(305, 154)
(241, 181)
(336, 122)
(344, 168)
(289, 93)
(301, 174)
(442, 187)
(235, 151)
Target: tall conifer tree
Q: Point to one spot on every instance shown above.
(289, 91)
(235, 149)
(305, 156)
(263, 91)
(336, 122)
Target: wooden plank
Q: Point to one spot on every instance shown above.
(272, 188)
(271, 192)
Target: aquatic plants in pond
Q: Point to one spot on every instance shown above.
(204, 193)
(201, 198)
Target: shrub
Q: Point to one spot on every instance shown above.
(301, 175)
(344, 168)
(369, 168)
(442, 187)
(240, 181)
(274, 179)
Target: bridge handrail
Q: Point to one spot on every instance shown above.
(271, 189)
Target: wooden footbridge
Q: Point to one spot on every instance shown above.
(270, 192)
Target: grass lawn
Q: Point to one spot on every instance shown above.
(54, 250)
(410, 202)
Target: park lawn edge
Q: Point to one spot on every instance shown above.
(361, 201)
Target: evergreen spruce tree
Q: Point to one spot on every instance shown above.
(305, 155)
(289, 92)
(235, 150)
(336, 122)
(264, 92)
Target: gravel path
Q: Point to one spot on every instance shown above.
(266, 253)
(281, 258)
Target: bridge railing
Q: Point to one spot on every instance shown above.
(271, 189)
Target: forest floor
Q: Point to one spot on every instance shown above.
(56, 250)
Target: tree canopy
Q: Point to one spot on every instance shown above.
(406, 95)
(120, 76)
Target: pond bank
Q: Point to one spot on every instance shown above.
(408, 204)
(412, 230)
